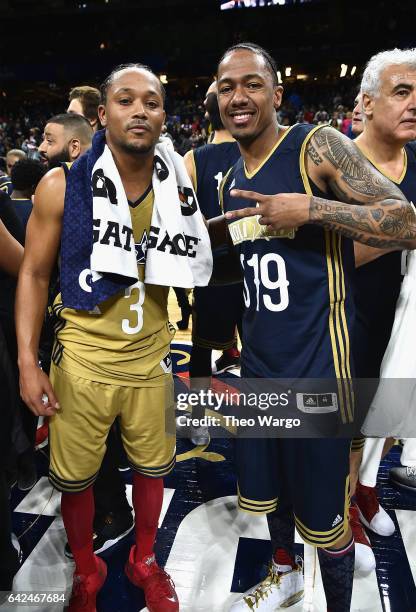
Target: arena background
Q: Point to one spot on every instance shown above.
(48, 46)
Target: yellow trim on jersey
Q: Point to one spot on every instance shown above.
(357, 444)
(250, 175)
(211, 344)
(266, 502)
(346, 334)
(194, 177)
(341, 323)
(338, 328)
(330, 537)
(383, 172)
(253, 509)
(221, 189)
(323, 537)
(257, 512)
(70, 487)
(302, 165)
(154, 472)
(252, 506)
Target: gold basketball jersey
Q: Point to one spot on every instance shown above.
(126, 339)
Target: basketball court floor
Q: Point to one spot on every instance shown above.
(212, 551)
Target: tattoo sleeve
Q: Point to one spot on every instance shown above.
(371, 209)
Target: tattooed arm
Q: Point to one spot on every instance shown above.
(371, 209)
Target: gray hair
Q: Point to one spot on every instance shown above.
(17, 153)
(370, 83)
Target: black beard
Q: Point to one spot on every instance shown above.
(139, 149)
(59, 158)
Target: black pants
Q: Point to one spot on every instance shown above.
(8, 555)
(24, 421)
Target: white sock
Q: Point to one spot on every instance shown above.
(281, 569)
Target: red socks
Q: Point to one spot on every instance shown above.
(147, 503)
(78, 515)
(284, 560)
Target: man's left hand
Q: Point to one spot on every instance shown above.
(279, 211)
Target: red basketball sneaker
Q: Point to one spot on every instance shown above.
(372, 515)
(85, 588)
(157, 585)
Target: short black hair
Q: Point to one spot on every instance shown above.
(26, 174)
(211, 105)
(248, 46)
(107, 82)
(78, 125)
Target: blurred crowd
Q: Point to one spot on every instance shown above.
(186, 123)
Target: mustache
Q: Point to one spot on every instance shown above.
(142, 124)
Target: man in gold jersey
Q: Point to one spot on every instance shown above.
(113, 361)
(113, 518)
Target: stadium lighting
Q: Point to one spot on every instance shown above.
(301, 77)
(288, 71)
(164, 79)
(279, 77)
(353, 69)
(227, 5)
(344, 68)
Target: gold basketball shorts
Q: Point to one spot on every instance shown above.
(78, 431)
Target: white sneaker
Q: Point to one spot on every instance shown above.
(372, 515)
(275, 591)
(381, 523)
(365, 561)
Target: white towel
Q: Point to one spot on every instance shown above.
(393, 409)
(178, 251)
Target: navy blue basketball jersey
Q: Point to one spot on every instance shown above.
(377, 288)
(298, 304)
(6, 184)
(212, 162)
(23, 208)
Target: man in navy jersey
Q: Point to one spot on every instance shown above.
(297, 261)
(217, 310)
(25, 176)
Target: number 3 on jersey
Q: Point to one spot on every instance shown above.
(134, 324)
(270, 264)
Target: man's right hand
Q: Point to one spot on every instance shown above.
(37, 392)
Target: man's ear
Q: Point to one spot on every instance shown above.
(277, 96)
(74, 149)
(102, 115)
(367, 105)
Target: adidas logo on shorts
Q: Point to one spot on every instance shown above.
(337, 520)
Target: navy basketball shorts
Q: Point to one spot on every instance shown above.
(312, 474)
(216, 313)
